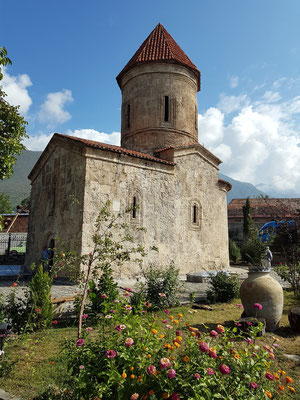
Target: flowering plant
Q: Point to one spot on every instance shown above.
(140, 356)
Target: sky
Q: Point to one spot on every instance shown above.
(67, 54)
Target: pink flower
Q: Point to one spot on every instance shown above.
(271, 355)
(84, 316)
(54, 322)
(220, 328)
(237, 324)
(161, 294)
(120, 327)
(204, 347)
(257, 306)
(254, 354)
(249, 323)
(126, 294)
(81, 366)
(108, 316)
(88, 329)
(164, 363)
(80, 342)
(253, 385)
(128, 307)
(151, 370)
(224, 369)
(212, 353)
(248, 340)
(134, 396)
(171, 373)
(111, 354)
(239, 305)
(210, 371)
(197, 376)
(275, 345)
(128, 289)
(269, 376)
(178, 333)
(129, 342)
(167, 311)
(169, 326)
(164, 321)
(103, 296)
(213, 334)
(37, 309)
(174, 396)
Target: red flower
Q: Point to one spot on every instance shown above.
(224, 369)
(54, 322)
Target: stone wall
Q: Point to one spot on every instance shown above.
(144, 88)
(166, 196)
(56, 199)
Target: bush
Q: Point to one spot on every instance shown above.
(291, 273)
(138, 357)
(224, 288)
(234, 252)
(161, 286)
(254, 250)
(17, 311)
(41, 315)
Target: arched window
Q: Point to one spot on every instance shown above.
(195, 214)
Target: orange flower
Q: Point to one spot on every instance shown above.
(276, 376)
(193, 333)
(176, 344)
(165, 395)
(175, 321)
(131, 368)
(124, 375)
(269, 394)
(186, 324)
(236, 356)
(186, 359)
(291, 389)
(167, 346)
(281, 372)
(144, 348)
(171, 317)
(161, 336)
(280, 387)
(52, 362)
(151, 392)
(288, 379)
(180, 315)
(178, 339)
(139, 378)
(132, 376)
(149, 355)
(154, 331)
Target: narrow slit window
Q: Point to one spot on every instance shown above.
(166, 108)
(128, 116)
(196, 118)
(134, 207)
(195, 212)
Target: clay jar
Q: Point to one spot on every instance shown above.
(261, 288)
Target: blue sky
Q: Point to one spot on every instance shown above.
(66, 55)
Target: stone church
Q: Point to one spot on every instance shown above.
(160, 167)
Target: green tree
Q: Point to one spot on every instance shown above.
(5, 204)
(25, 203)
(12, 127)
(247, 220)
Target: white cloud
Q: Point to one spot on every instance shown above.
(92, 134)
(16, 89)
(234, 81)
(52, 110)
(40, 141)
(260, 143)
(229, 104)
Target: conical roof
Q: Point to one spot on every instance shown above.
(159, 46)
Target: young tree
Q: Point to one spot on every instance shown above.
(12, 127)
(247, 220)
(5, 204)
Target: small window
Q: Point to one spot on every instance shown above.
(134, 207)
(195, 214)
(166, 119)
(128, 116)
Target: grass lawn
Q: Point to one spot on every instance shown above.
(37, 360)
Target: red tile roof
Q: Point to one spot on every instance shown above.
(159, 46)
(273, 209)
(115, 149)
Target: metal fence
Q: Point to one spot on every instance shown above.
(13, 244)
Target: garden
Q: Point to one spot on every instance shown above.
(140, 343)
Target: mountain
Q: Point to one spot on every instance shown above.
(18, 186)
(241, 190)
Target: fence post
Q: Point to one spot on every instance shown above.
(9, 243)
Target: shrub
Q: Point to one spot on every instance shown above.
(161, 286)
(234, 251)
(291, 273)
(254, 250)
(138, 357)
(41, 315)
(223, 289)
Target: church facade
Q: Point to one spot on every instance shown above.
(160, 167)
